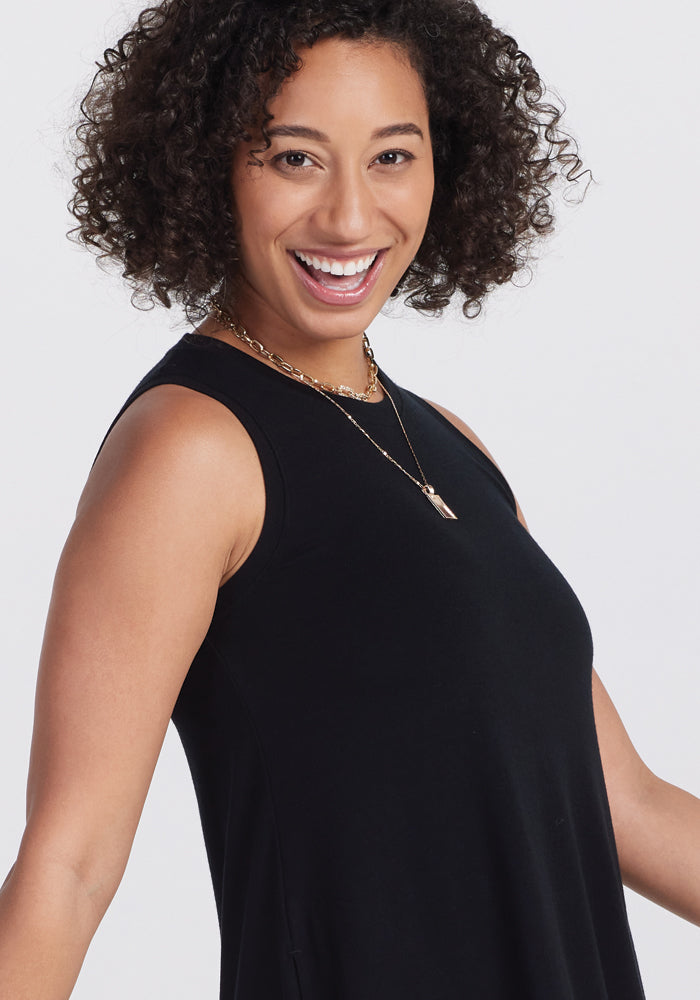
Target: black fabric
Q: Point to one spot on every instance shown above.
(390, 723)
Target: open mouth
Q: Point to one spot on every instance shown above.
(347, 274)
(338, 282)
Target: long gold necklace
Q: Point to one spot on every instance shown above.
(324, 388)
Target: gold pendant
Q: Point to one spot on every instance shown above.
(437, 502)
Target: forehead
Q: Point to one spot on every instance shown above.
(343, 79)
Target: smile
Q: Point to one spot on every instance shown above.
(336, 281)
(330, 266)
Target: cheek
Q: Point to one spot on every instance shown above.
(428, 187)
(415, 203)
(251, 203)
(427, 192)
(265, 209)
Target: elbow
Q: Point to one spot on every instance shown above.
(49, 913)
(86, 871)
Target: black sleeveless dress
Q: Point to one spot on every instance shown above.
(390, 725)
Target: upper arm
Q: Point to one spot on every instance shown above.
(626, 774)
(469, 433)
(163, 517)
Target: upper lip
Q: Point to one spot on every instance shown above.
(334, 254)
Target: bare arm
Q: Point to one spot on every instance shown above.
(656, 824)
(166, 515)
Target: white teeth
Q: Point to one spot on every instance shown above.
(338, 267)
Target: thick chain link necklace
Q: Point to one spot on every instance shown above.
(324, 388)
(343, 390)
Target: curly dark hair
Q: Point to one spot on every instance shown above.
(193, 78)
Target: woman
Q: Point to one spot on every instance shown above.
(382, 684)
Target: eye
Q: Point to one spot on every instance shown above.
(394, 157)
(292, 159)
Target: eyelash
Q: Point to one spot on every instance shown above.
(280, 158)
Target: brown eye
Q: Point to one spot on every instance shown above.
(393, 157)
(293, 159)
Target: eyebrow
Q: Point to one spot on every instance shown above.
(305, 132)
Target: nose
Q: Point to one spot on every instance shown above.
(348, 206)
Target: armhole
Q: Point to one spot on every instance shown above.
(275, 495)
(481, 456)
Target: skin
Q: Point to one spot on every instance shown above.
(177, 494)
(350, 193)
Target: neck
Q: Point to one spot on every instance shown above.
(340, 361)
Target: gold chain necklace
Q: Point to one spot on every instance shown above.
(324, 387)
(343, 390)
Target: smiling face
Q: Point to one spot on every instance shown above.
(332, 219)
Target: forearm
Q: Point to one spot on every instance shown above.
(658, 841)
(47, 922)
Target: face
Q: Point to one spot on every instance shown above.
(332, 219)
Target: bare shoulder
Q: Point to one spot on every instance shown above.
(183, 451)
(469, 433)
(177, 424)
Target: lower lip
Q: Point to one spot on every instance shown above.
(336, 296)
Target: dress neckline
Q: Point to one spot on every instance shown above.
(353, 406)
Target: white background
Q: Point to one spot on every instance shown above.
(583, 385)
